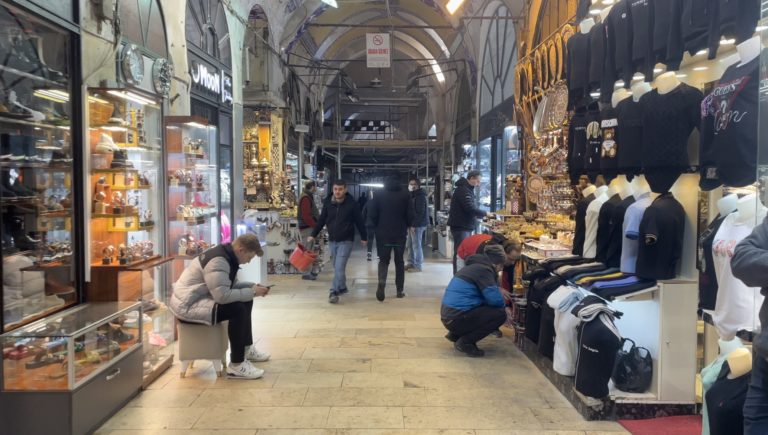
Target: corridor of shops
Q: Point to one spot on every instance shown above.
(359, 367)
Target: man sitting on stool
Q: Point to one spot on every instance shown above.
(473, 306)
(207, 293)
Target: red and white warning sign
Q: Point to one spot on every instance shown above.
(378, 50)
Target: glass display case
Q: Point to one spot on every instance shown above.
(225, 187)
(36, 167)
(65, 350)
(193, 214)
(484, 157)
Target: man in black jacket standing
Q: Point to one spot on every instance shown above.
(391, 212)
(750, 264)
(416, 232)
(464, 213)
(340, 215)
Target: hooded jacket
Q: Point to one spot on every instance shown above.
(341, 219)
(750, 265)
(391, 213)
(472, 286)
(420, 207)
(464, 212)
(208, 280)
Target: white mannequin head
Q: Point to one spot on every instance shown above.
(667, 82)
(640, 88)
(727, 204)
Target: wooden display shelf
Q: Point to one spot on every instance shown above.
(150, 263)
(108, 283)
(16, 200)
(114, 216)
(115, 128)
(137, 187)
(7, 120)
(66, 213)
(114, 171)
(42, 267)
(131, 229)
(135, 265)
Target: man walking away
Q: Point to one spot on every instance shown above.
(370, 229)
(207, 293)
(391, 211)
(416, 232)
(307, 216)
(340, 215)
(473, 306)
(463, 215)
(750, 264)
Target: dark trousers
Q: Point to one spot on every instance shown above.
(239, 329)
(385, 250)
(458, 237)
(476, 324)
(371, 238)
(756, 405)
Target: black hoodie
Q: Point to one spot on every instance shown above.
(463, 213)
(391, 212)
(341, 220)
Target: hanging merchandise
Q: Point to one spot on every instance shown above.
(619, 43)
(641, 13)
(690, 29)
(629, 137)
(577, 73)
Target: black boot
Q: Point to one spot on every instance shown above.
(400, 293)
(470, 349)
(380, 293)
(450, 336)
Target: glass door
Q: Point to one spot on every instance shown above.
(485, 166)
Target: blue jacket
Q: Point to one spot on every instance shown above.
(473, 286)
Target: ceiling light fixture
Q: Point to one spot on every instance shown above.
(595, 11)
(700, 52)
(727, 42)
(130, 96)
(620, 83)
(681, 76)
(608, 2)
(701, 68)
(453, 5)
(378, 185)
(52, 95)
(331, 3)
(657, 70)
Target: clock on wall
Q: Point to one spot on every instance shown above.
(132, 64)
(162, 71)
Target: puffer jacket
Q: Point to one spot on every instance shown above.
(464, 212)
(208, 280)
(472, 286)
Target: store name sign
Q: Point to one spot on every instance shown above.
(377, 49)
(226, 88)
(212, 80)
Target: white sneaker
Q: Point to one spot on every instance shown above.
(253, 354)
(244, 370)
(106, 145)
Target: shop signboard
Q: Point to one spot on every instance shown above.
(378, 50)
(211, 82)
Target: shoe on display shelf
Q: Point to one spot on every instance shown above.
(132, 319)
(106, 145)
(120, 160)
(244, 370)
(253, 354)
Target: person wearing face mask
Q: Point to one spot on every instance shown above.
(416, 232)
(463, 215)
(473, 306)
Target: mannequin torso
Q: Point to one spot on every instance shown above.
(588, 190)
(746, 209)
(640, 186)
(601, 191)
(667, 82)
(740, 363)
(727, 204)
(586, 25)
(639, 89)
(619, 95)
(748, 50)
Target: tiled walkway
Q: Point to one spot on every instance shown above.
(359, 367)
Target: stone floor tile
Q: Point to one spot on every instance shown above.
(366, 417)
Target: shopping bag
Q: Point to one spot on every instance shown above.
(302, 258)
(633, 370)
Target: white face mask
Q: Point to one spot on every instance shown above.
(412, 188)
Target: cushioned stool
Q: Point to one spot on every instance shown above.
(202, 342)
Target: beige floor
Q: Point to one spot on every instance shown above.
(359, 367)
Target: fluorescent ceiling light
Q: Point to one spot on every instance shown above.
(608, 2)
(438, 71)
(701, 68)
(681, 76)
(727, 42)
(379, 185)
(52, 94)
(130, 96)
(760, 28)
(594, 94)
(700, 52)
(620, 83)
(195, 124)
(453, 5)
(331, 3)
(657, 70)
(595, 11)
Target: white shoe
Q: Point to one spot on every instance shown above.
(244, 370)
(253, 354)
(106, 145)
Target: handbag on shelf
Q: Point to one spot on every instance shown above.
(633, 370)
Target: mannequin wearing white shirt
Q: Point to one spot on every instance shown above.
(667, 82)
(593, 212)
(639, 89)
(588, 190)
(586, 25)
(748, 50)
(619, 95)
(727, 204)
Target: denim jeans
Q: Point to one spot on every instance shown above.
(415, 248)
(458, 237)
(371, 238)
(340, 252)
(385, 251)
(756, 405)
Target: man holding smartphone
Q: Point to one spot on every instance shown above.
(207, 293)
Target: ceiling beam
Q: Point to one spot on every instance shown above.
(380, 26)
(383, 144)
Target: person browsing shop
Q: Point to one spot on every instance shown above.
(307, 217)
(416, 232)
(207, 292)
(473, 306)
(463, 215)
(391, 213)
(340, 215)
(750, 264)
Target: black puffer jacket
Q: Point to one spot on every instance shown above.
(341, 220)
(464, 212)
(391, 213)
(420, 207)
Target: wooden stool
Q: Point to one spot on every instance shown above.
(202, 342)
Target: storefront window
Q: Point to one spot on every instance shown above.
(484, 154)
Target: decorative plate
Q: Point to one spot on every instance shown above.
(544, 67)
(535, 184)
(162, 72)
(559, 49)
(552, 57)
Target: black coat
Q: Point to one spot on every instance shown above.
(391, 213)
(464, 213)
(420, 207)
(341, 220)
